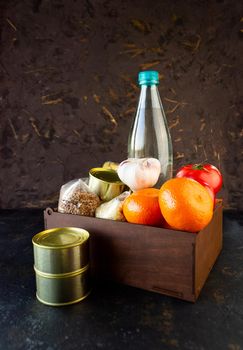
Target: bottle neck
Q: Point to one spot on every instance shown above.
(149, 97)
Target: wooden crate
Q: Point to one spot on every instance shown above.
(169, 262)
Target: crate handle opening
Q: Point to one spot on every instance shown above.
(49, 211)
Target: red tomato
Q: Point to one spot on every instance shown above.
(206, 174)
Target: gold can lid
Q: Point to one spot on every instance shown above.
(106, 175)
(59, 238)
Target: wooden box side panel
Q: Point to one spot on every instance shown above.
(150, 258)
(208, 246)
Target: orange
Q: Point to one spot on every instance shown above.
(142, 207)
(185, 204)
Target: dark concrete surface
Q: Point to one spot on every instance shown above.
(115, 316)
(68, 88)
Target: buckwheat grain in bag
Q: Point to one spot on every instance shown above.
(77, 199)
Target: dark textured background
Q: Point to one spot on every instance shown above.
(68, 89)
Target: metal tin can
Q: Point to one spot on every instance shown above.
(61, 263)
(105, 183)
(66, 289)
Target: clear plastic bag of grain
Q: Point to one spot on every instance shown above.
(77, 199)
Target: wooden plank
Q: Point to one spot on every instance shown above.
(208, 246)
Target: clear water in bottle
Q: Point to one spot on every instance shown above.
(149, 135)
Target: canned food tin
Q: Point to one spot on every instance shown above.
(105, 183)
(61, 263)
(62, 289)
(61, 250)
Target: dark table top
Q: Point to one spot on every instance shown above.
(116, 316)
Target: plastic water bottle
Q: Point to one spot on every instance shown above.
(149, 135)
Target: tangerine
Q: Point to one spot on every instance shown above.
(185, 204)
(142, 207)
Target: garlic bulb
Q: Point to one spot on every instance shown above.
(139, 173)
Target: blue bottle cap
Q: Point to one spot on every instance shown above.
(148, 77)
